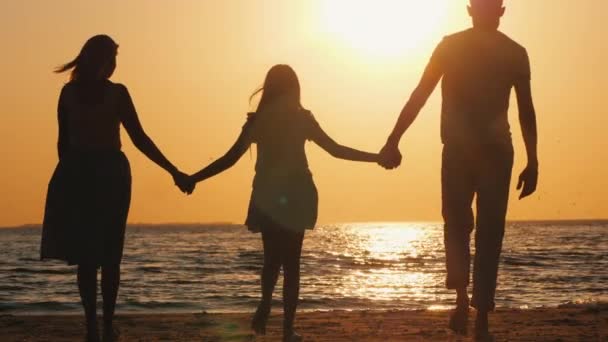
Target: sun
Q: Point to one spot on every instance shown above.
(385, 28)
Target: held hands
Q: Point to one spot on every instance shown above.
(184, 182)
(389, 157)
(528, 180)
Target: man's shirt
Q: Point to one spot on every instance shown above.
(479, 69)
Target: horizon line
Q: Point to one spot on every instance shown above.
(228, 223)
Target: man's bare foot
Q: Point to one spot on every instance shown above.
(258, 323)
(291, 336)
(459, 320)
(92, 336)
(92, 332)
(110, 334)
(482, 332)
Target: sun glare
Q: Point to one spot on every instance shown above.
(385, 28)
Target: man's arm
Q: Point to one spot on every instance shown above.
(389, 155)
(527, 118)
(417, 100)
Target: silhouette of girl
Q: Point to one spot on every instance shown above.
(284, 199)
(89, 194)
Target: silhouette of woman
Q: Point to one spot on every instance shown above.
(89, 193)
(284, 198)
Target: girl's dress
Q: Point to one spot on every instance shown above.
(284, 193)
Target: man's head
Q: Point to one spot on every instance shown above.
(486, 14)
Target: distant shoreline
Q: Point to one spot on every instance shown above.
(215, 224)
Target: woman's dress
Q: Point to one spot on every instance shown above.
(90, 191)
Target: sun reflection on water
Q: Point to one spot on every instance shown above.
(389, 261)
(391, 242)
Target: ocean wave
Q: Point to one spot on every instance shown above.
(43, 306)
(515, 261)
(343, 267)
(150, 269)
(40, 270)
(601, 305)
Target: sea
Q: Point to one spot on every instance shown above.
(351, 266)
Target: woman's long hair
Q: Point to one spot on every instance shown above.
(281, 86)
(96, 60)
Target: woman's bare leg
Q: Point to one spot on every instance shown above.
(110, 281)
(87, 287)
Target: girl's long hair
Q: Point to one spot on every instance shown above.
(280, 86)
(96, 60)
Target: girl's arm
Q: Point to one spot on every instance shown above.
(339, 151)
(227, 160)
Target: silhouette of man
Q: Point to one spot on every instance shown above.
(479, 67)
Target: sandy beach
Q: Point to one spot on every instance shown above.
(573, 324)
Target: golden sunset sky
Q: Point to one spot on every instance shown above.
(191, 65)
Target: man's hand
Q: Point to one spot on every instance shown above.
(389, 157)
(528, 181)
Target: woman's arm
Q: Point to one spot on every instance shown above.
(227, 160)
(64, 140)
(339, 151)
(141, 140)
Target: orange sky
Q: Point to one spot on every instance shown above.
(191, 66)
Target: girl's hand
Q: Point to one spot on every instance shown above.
(377, 158)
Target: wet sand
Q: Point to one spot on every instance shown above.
(572, 324)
